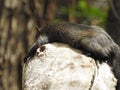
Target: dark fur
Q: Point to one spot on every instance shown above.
(90, 39)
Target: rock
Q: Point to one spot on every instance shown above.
(58, 66)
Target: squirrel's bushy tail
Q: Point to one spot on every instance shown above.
(116, 64)
(116, 60)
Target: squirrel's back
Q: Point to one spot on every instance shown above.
(90, 39)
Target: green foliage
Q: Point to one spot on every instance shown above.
(63, 10)
(90, 11)
(84, 12)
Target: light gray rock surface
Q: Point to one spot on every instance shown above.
(60, 67)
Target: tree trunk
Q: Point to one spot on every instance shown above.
(49, 11)
(72, 10)
(18, 19)
(113, 21)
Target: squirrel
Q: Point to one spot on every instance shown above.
(90, 39)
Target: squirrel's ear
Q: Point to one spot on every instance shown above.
(38, 29)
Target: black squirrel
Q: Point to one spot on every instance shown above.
(89, 39)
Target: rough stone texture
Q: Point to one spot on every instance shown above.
(60, 67)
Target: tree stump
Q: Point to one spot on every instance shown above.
(58, 66)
